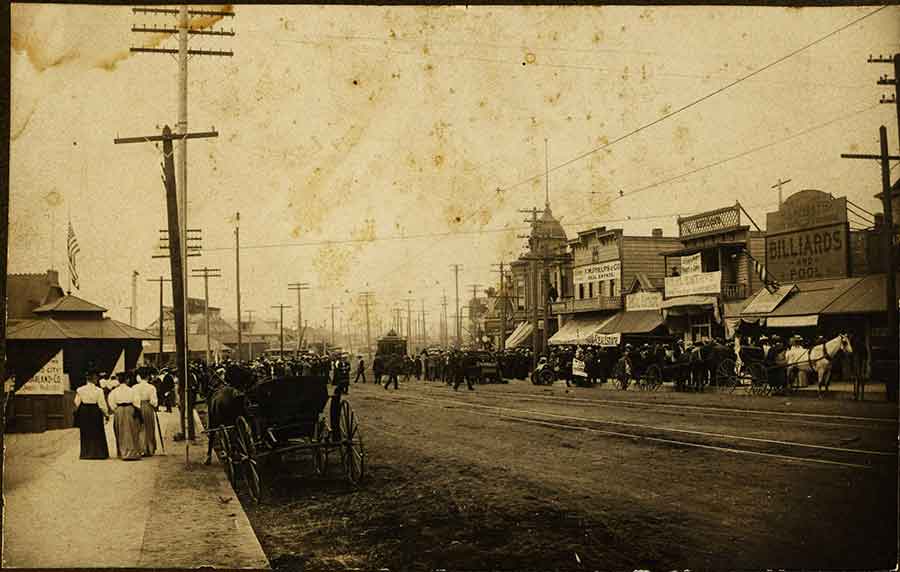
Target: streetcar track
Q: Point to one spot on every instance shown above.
(504, 413)
(712, 410)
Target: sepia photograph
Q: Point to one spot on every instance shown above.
(450, 287)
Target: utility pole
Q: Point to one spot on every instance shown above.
(332, 308)
(133, 318)
(281, 308)
(237, 273)
(409, 337)
(778, 186)
(532, 277)
(366, 296)
(474, 315)
(502, 305)
(183, 29)
(443, 328)
(249, 332)
(161, 280)
(176, 251)
(456, 268)
(424, 340)
(206, 274)
(887, 231)
(299, 287)
(885, 80)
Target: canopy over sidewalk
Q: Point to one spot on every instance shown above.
(578, 330)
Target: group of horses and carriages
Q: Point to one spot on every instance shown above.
(256, 422)
(726, 366)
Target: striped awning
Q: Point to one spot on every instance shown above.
(519, 335)
(579, 330)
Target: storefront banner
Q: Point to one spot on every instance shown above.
(50, 380)
(606, 340)
(691, 264)
(596, 272)
(578, 368)
(643, 301)
(701, 283)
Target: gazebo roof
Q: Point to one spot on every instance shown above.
(60, 328)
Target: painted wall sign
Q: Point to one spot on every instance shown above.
(807, 209)
(643, 301)
(50, 380)
(808, 254)
(713, 221)
(702, 283)
(596, 272)
(691, 264)
(605, 340)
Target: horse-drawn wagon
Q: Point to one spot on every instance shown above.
(287, 417)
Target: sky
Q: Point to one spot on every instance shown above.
(369, 148)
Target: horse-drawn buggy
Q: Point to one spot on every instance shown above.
(283, 418)
(640, 366)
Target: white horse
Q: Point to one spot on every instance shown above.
(818, 359)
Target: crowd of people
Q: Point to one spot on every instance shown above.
(130, 402)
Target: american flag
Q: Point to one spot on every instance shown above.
(73, 249)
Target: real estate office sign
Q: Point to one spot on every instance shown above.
(808, 237)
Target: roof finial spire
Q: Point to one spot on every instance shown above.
(546, 174)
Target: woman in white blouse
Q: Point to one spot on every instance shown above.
(145, 399)
(90, 415)
(127, 422)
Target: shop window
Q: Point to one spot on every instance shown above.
(581, 291)
(590, 289)
(700, 331)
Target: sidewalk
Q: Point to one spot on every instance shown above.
(62, 512)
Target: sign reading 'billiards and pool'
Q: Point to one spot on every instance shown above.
(807, 237)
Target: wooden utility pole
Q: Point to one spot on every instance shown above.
(206, 274)
(281, 308)
(502, 272)
(176, 250)
(366, 296)
(332, 308)
(778, 186)
(456, 268)
(409, 337)
(473, 315)
(249, 333)
(237, 274)
(299, 287)
(424, 339)
(443, 328)
(887, 242)
(133, 318)
(161, 280)
(884, 80)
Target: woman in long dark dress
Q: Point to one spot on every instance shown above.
(90, 416)
(127, 422)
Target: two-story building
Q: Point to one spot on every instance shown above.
(712, 274)
(606, 266)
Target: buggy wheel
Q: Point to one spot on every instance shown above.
(725, 374)
(759, 377)
(245, 435)
(246, 450)
(254, 484)
(231, 468)
(320, 453)
(652, 377)
(353, 454)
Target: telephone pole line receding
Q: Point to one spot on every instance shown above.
(366, 297)
(206, 274)
(473, 315)
(299, 287)
(332, 308)
(281, 308)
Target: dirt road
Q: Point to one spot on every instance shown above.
(520, 477)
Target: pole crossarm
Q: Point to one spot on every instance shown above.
(172, 137)
(155, 30)
(174, 12)
(869, 156)
(228, 53)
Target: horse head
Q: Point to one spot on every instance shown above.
(846, 346)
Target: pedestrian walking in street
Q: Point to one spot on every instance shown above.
(360, 370)
(145, 399)
(91, 414)
(127, 422)
(393, 366)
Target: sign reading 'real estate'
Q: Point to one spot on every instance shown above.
(596, 272)
(687, 285)
(808, 237)
(643, 301)
(50, 380)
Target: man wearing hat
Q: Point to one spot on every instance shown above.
(794, 356)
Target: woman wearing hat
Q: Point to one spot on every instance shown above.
(90, 416)
(127, 422)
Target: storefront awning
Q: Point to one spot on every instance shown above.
(867, 296)
(687, 301)
(635, 322)
(792, 321)
(804, 300)
(519, 335)
(578, 330)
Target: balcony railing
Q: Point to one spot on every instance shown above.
(572, 305)
(734, 291)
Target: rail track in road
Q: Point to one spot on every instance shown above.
(767, 415)
(721, 442)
